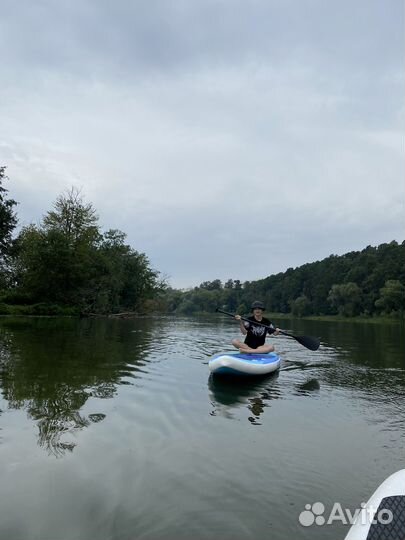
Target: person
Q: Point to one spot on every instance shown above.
(255, 340)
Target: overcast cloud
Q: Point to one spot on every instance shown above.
(228, 138)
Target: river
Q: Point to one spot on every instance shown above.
(114, 430)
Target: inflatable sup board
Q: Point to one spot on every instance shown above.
(236, 363)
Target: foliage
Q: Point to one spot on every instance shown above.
(126, 278)
(66, 264)
(366, 282)
(392, 297)
(66, 260)
(73, 218)
(346, 298)
(8, 222)
(39, 309)
(300, 306)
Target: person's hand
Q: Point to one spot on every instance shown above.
(276, 332)
(238, 317)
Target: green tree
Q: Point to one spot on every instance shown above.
(300, 306)
(123, 279)
(75, 219)
(346, 298)
(43, 264)
(361, 275)
(8, 223)
(242, 309)
(66, 259)
(57, 259)
(392, 297)
(211, 285)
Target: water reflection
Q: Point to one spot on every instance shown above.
(227, 393)
(155, 438)
(364, 343)
(367, 362)
(308, 387)
(52, 367)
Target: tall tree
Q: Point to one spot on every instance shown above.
(346, 298)
(392, 297)
(8, 222)
(57, 258)
(75, 219)
(125, 278)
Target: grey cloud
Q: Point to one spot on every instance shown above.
(96, 38)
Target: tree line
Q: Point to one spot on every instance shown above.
(67, 265)
(367, 283)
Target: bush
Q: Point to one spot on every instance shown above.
(4, 309)
(15, 297)
(39, 309)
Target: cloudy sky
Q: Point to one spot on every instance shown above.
(227, 138)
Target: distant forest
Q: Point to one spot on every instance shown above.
(367, 283)
(66, 265)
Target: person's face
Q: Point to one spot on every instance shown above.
(257, 312)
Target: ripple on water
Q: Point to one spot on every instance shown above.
(162, 450)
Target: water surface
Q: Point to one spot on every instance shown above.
(114, 430)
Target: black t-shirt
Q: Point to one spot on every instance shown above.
(256, 334)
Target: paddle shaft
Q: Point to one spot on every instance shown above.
(247, 320)
(307, 341)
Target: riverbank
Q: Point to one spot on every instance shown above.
(38, 310)
(54, 310)
(333, 318)
(336, 318)
(339, 318)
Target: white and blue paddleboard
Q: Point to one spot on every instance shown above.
(383, 517)
(236, 363)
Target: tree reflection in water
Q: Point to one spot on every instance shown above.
(51, 368)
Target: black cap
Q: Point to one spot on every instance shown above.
(258, 305)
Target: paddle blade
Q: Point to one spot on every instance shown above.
(309, 342)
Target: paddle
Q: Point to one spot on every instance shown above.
(311, 343)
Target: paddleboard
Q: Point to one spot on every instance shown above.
(236, 363)
(383, 517)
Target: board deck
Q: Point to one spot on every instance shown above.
(244, 363)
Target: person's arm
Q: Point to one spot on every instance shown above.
(241, 324)
(275, 331)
